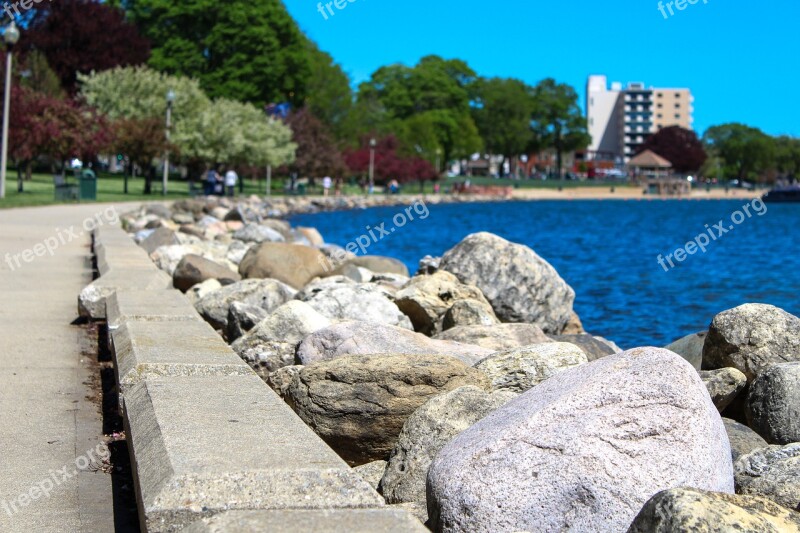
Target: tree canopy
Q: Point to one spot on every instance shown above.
(745, 150)
(679, 146)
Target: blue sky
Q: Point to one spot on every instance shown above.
(740, 58)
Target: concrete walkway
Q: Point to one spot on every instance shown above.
(50, 416)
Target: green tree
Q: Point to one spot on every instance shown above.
(787, 157)
(329, 96)
(557, 120)
(243, 50)
(502, 109)
(747, 152)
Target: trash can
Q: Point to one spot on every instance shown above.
(88, 185)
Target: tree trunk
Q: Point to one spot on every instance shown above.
(28, 170)
(19, 177)
(148, 180)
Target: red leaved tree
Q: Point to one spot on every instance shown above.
(679, 146)
(389, 162)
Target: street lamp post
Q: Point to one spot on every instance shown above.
(170, 101)
(372, 144)
(11, 36)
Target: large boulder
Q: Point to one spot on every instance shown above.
(425, 433)
(496, 338)
(723, 385)
(267, 294)
(292, 264)
(690, 348)
(743, 439)
(593, 347)
(364, 338)
(520, 369)
(160, 237)
(682, 510)
(773, 403)
(520, 285)
(425, 299)
(469, 313)
(242, 318)
(584, 450)
(751, 338)
(772, 472)
(194, 269)
(359, 403)
(257, 233)
(271, 344)
(364, 301)
(379, 264)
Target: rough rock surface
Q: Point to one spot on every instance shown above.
(773, 403)
(271, 344)
(364, 338)
(469, 313)
(574, 325)
(593, 347)
(364, 301)
(520, 285)
(772, 472)
(496, 338)
(723, 385)
(268, 294)
(751, 338)
(425, 299)
(523, 368)
(380, 265)
(242, 318)
(292, 264)
(359, 403)
(690, 348)
(257, 233)
(584, 450)
(281, 379)
(159, 237)
(202, 290)
(743, 439)
(194, 269)
(372, 472)
(679, 510)
(425, 433)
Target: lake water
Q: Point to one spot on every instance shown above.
(607, 251)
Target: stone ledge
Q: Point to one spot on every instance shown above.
(92, 299)
(203, 445)
(322, 521)
(155, 306)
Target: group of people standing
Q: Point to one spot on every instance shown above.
(215, 184)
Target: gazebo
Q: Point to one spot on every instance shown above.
(655, 175)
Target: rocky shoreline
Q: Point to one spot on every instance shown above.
(469, 393)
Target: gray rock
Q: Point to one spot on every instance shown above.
(426, 431)
(469, 313)
(201, 290)
(380, 265)
(292, 264)
(415, 509)
(584, 450)
(159, 210)
(772, 472)
(425, 299)
(773, 403)
(723, 385)
(364, 301)
(167, 257)
(372, 472)
(312, 235)
(281, 379)
(520, 285)
(574, 325)
(257, 233)
(743, 439)
(358, 404)
(160, 237)
(242, 318)
(194, 269)
(364, 338)
(683, 509)
(237, 250)
(690, 348)
(271, 344)
(496, 338)
(268, 294)
(428, 265)
(593, 347)
(520, 369)
(751, 338)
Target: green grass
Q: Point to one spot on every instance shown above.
(40, 190)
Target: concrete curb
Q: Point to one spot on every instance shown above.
(206, 435)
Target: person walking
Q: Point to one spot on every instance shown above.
(211, 181)
(326, 185)
(231, 178)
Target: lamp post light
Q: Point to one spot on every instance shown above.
(11, 36)
(372, 144)
(170, 101)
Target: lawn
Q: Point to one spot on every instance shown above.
(40, 190)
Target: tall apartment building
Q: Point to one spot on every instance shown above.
(620, 119)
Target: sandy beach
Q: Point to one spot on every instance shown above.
(627, 193)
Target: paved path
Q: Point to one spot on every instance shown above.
(48, 420)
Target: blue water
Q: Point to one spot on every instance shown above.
(607, 251)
